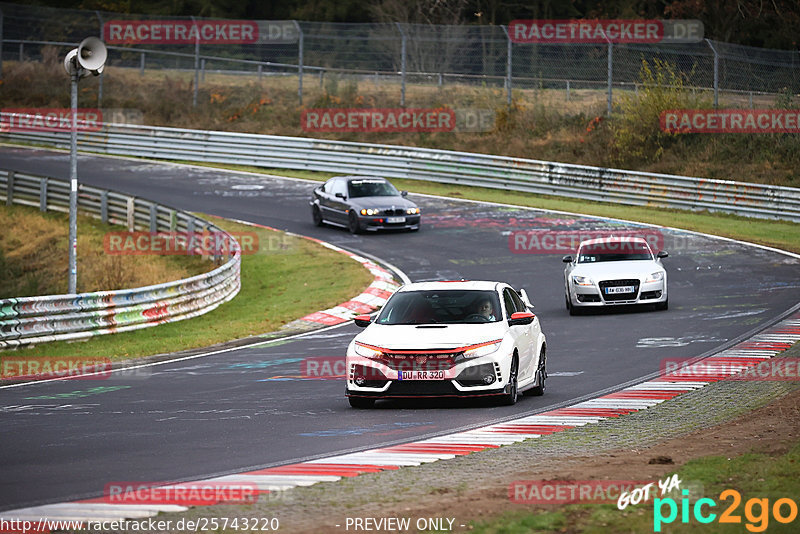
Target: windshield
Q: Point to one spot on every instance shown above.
(614, 251)
(372, 188)
(448, 306)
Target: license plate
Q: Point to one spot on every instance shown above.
(391, 220)
(421, 375)
(620, 289)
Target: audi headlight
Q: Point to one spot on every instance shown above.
(369, 211)
(654, 277)
(366, 351)
(582, 281)
(484, 349)
(412, 211)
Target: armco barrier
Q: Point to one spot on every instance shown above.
(515, 174)
(32, 320)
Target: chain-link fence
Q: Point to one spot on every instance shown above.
(403, 55)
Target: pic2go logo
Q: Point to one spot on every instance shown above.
(756, 511)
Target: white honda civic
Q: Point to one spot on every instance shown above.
(615, 271)
(448, 339)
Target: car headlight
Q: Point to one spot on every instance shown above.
(582, 281)
(412, 211)
(366, 351)
(369, 211)
(483, 349)
(654, 277)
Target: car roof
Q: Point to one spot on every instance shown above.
(621, 239)
(470, 285)
(352, 177)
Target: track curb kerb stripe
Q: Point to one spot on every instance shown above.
(373, 297)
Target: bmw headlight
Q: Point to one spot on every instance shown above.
(582, 281)
(412, 211)
(366, 351)
(483, 349)
(654, 277)
(369, 211)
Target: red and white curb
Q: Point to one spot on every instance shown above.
(722, 365)
(373, 297)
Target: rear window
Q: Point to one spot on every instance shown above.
(447, 306)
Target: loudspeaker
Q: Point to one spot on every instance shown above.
(69, 62)
(92, 54)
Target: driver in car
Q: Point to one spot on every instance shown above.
(485, 308)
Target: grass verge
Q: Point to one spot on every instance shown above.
(779, 234)
(286, 278)
(33, 257)
(759, 480)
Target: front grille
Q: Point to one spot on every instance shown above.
(617, 283)
(419, 361)
(422, 387)
(392, 212)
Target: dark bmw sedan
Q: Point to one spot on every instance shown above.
(361, 203)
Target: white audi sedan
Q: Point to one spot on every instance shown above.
(615, 271)
(448, 339)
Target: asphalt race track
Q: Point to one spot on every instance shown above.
(227, 412)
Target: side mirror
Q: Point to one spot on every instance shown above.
(567, 259)
(362, 320)
(403, 193)
(521, 318)
(341, 195)
(662, 254)
(525, 299)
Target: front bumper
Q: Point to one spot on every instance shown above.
(373, 379)
(381, 222)
(594, 296)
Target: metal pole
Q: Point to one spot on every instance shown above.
(508, 66)
(402, 66)
(716, 72)
(610, 75)
(567, 90)
(196, 64)
(141, 64)
(1, 44)
(102, 74)
(300, 47)
(203, 69)
(73, 189)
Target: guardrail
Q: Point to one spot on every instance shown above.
(497, 172)
(31, 320)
